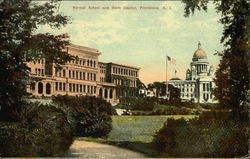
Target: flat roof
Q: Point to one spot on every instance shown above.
(84, 48)
(124, 65)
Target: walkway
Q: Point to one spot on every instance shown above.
(86, 149)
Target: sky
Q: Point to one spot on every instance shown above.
(143, 37)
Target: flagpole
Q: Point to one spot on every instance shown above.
(166, 76)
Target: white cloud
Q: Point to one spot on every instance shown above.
(170, 21)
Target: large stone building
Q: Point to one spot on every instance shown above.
(84, 75)
(199, 80)
(124, 77)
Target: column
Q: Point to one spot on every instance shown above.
(108, 93)
(44, 88)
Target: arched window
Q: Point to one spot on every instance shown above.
(100, 92)
(40, 87)
(105, 93)
(48, 88)
(94, 63)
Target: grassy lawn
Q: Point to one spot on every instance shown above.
(138, 128)
(136, 132)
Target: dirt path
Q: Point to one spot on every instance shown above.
(86, 149)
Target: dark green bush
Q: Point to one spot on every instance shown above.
(90, 116)
(213, 134)
(138, 103)
(42, 131)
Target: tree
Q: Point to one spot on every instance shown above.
(161, 91)
(175, 94)
(19, 44)
(232, 76)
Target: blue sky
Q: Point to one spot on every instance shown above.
(142, 38)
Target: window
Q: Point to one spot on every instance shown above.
(64, 73)
(80, 88)
(83, 75)
(84, 88)
(69, 73)
(80, 75)
(76, 74)
(70, 87)
(60, 86)
(73, 74)
(56, 86)
(63, 86)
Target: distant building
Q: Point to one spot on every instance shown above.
(199, 83)
(84, 75)
(124, 77)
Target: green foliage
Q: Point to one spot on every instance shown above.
(89, 116)
(232, 76)
(160, 88)
(213, 134)
(138, 103)
(138, 128)
(19, 45)
(42, 131)
(175, 95)
(174, 110)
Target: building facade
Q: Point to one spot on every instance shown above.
(84, 75)
(198, 85)
(124, 77)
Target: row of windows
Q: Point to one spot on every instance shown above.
(206, 96)
(183, 85)
(102, 69)
(60, 86)
(81, 88)
(83, 62)
(76, 75)
(188, 95)
(126, 93)
(130, 83)
(104, 93)
(39, 72)
(187, 89)
(122, 71)
(42, 61)
(207, 86)
(102, 79)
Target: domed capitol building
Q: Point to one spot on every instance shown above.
(199, 80)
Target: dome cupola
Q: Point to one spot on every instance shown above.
(199, 53)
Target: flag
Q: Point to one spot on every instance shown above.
(171, 60)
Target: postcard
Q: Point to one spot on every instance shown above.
(124, 79)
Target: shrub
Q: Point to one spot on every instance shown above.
(42, 131)
(90, 116)
(213, 134)
(138, 103)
